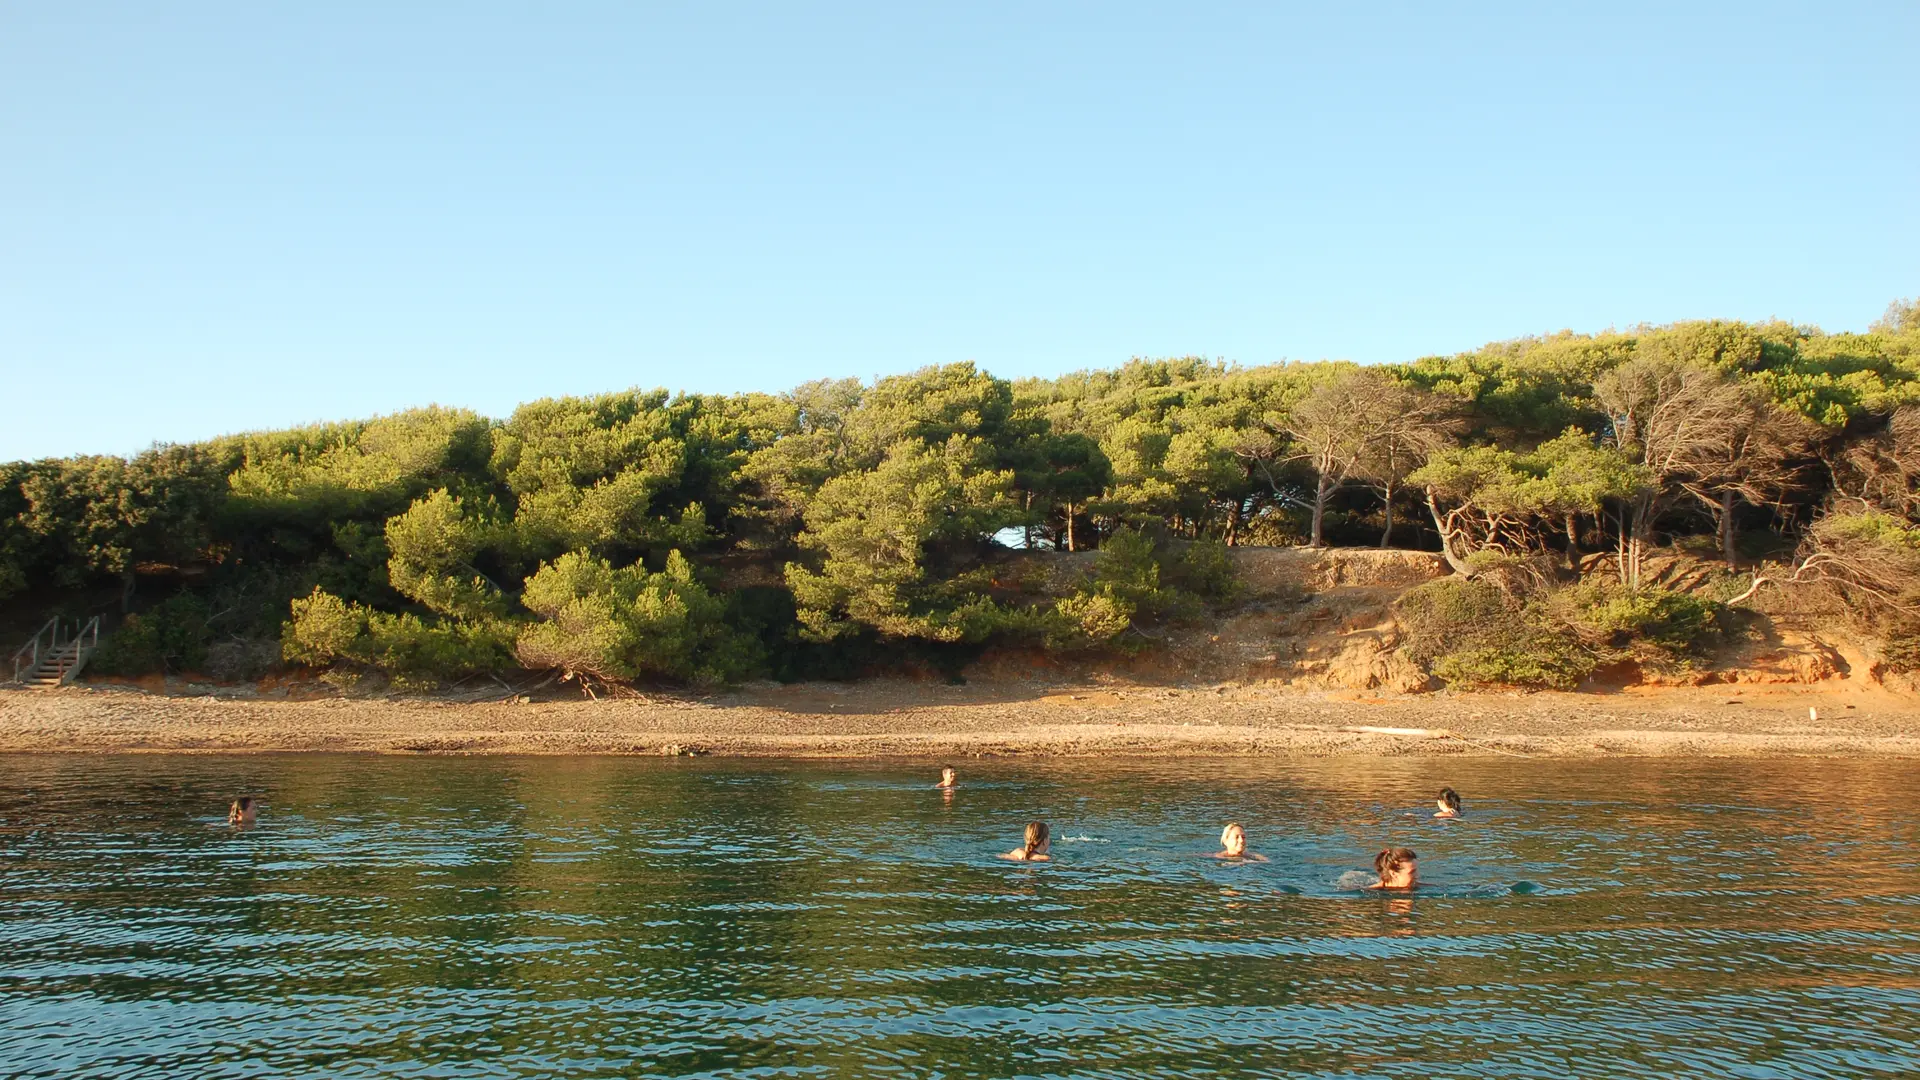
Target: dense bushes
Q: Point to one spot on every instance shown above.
(1470, 632)
(1444, 613)
(1474, 632)
(839, 526)
(1526, 657)
(1649, 625)
(171, 636)
(629, 623)
(1136, 579)
(1869, 560)
(415, 652)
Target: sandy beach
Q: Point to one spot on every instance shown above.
(895, 718)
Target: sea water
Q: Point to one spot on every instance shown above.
(586, 917)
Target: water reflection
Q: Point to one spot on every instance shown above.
(606, 917)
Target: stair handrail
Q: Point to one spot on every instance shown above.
(83, 641)
(51, 632)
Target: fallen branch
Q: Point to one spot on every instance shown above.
(1417, 732)
(1428, 733)
(1758, 581)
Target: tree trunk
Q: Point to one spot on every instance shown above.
(1070, 546)
(1386, 534)
(1726, 526)
(1446, 539)
(1620, 544)
(1573, 544)
(1320, 493)
(1642, 525)
(126, 590)
(1233, 522)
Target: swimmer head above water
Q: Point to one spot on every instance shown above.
(1233, 840)
(1397, 869)
(243, 811)
(1233, 844)
(947, 778)
(1449, 803)
(1034, 849)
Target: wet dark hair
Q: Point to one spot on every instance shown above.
(1036, 837)
(244, 802)
(1392, 857)
(947, 768)
(1450, 799)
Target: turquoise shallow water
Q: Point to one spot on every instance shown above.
(585, 917)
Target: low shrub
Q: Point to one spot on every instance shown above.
(242, 659)
(1137, 578)
(1900, 647)
(323, 628)
(1476, 632)
(1151, 579)
(1205, 569)
(1524, 656)
(1473, 633)
(1128, 570)
(171, 636)
(1437, 616)
(415, 653)
(1092, 618)
(1869, 562)
(420, 655)
(1655, 627)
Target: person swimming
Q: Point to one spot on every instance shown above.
(947, 778)
(1034, 849)
(1449, 803)
(1397, 869)
(244, 811)
(1233, 844)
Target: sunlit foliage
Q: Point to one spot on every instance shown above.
(645, 535)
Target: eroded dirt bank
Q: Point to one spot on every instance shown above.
(901, 718)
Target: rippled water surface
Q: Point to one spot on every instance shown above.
(545, 917)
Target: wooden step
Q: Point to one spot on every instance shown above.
(59, 663)
(53, 670)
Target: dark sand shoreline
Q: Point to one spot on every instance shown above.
(897, 718)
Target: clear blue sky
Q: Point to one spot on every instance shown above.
(229, 216)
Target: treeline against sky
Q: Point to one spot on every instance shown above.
(835, 527)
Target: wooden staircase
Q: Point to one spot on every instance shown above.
(56, 654)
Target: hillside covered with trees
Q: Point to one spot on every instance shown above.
(842, 528)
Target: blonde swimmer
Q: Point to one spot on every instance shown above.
(1034, 848)
(1233, 844)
